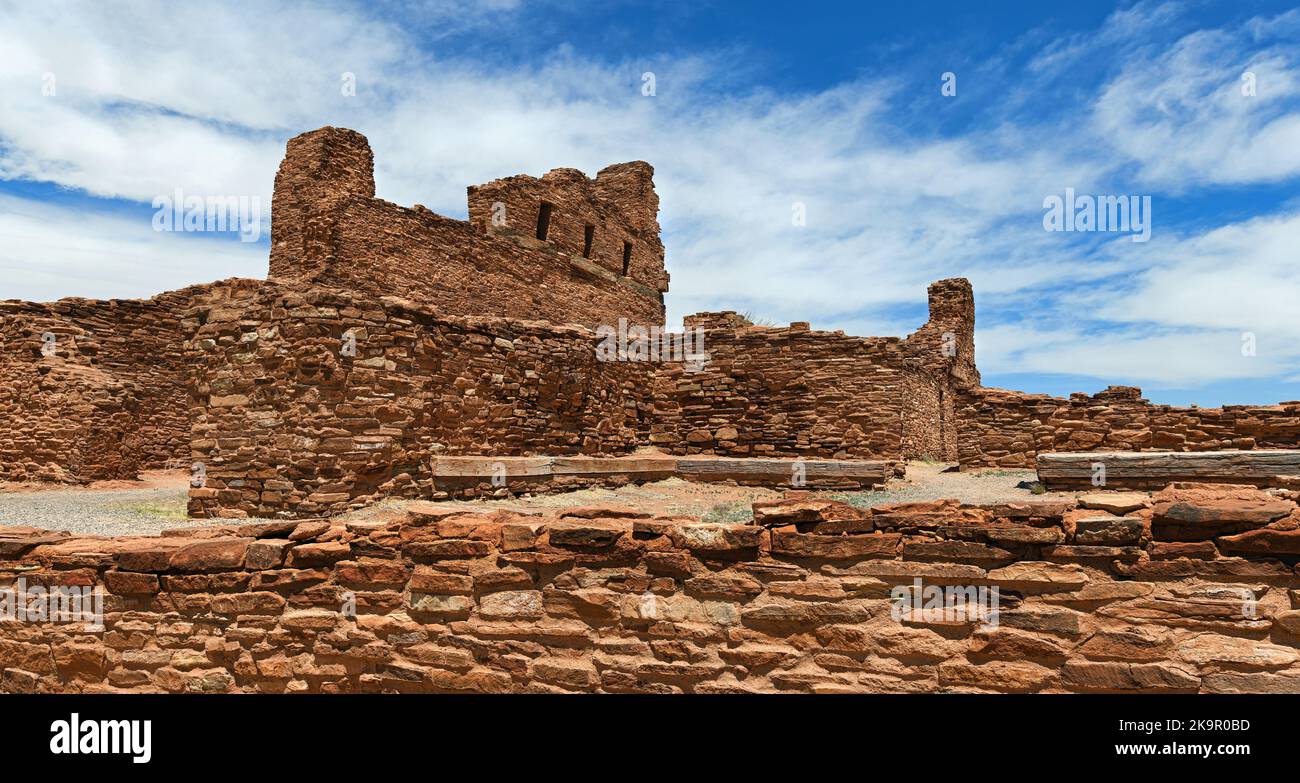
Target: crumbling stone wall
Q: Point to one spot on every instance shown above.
(792, 391)
(107, 396)
(114, 396)
(329, 230)
(1002, 428)
(945, 345)
(797, 392)
(65, 422)
(287, 424)
(286, 421)
(117, 398)
(928, 429)
(1192, 590)
(606, 221)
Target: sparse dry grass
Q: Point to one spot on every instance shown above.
(729, 513)
(173, 510)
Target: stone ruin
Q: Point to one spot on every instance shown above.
(385, 337)
(472, 337)
(387, 341)
(478, 337)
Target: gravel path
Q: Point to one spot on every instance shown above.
(160, 503)
(933, 480)
(105, 512)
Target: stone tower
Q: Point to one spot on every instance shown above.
(321, 170)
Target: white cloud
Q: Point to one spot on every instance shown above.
(1180, 114)
(168, 97)
(1179, 317)
(53, 252)
(1132, 356)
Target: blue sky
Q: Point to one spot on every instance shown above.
(757, 107)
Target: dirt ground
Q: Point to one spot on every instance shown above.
(157, 501)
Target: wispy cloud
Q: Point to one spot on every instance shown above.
(149, 101)
(1216, 107)
(108, 256)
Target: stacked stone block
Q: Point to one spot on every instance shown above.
(329, 230)
(313, 401)
(1002, 428)
(99, 389)
(1191, 590)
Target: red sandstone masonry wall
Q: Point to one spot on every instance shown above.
(927, 418)
(794, 392)
(1195, 593)
(287, 424)
(64, 421)
(381, 248)
(329, 230)
(620, 206)
(945, 345)
(1002, 428)
(113, 397)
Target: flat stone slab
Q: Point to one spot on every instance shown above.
(1115, 502)
(1157, 469)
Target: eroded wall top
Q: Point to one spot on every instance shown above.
(563, 248)
(320, 170)
(611, 220)
(946, 344)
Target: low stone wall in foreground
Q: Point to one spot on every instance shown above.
(1193, 589)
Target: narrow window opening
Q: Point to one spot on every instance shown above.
(627, 257)
(588, 234)
(543, 220)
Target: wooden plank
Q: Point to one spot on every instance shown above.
(633, 465)
(651, 467)
(779, 470)
(1157, 468)
(485, 466)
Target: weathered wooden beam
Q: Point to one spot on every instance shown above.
(782, 471)
(538, 472)
(486, 467)
(634, 465)
(1156, 469)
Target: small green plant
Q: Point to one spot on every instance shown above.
(1037, 488)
